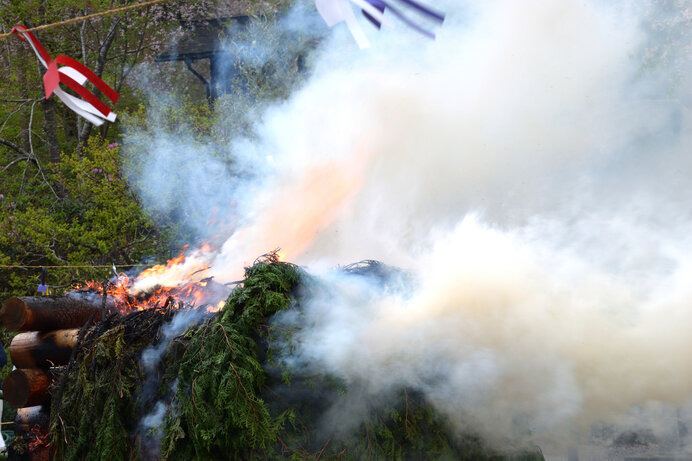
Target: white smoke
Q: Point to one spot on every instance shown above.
(502, 327)
(533, 175)
(182, 320)
(531, 167)
(151, 424)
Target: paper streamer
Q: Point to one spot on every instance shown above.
(335, 11)
(72, 74)
(380, 7)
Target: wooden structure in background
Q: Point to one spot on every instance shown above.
(201, 41)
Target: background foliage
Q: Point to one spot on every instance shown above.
(64, 199)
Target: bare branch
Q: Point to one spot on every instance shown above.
(20, 100)
(11, 114)
(135, 51)
(136, 242)
(21, 184)
(39, 136)
(31, 122)
(83, 42)
(15, 148)
(98, 70)
(26, 156)
(106, 46)
(45, 180)
(17, 160)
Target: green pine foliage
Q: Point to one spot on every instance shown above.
(227, 398)
(94, 406)
(218, 409)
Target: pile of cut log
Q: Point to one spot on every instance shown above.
(49, 327)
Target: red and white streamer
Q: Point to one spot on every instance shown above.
(72, 74)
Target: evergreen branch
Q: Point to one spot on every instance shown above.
(240, 381)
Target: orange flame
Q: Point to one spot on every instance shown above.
(180, 282)
(38, 439)
(304, 206)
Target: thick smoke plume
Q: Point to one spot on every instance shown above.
(531, 166)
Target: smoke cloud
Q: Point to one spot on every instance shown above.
(531, 168)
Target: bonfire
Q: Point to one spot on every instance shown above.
(175, 373)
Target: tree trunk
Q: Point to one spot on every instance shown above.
(43, 350)
(51, 130)
(28, 387)
(105, 46)
(45, 313)
(23, 114)
(70, 124)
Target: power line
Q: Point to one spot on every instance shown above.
(105, 266)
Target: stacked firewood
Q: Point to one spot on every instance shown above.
(50, 329)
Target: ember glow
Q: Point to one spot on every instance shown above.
(182, 282)
(38, 439)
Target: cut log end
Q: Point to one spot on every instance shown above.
(15, 389)
(27, 387)
(13, 313)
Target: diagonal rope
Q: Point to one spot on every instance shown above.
(90, 16)
(97, 266)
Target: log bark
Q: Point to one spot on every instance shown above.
(31, 418)
(43, 350)
(28, 387)
(44, 313)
